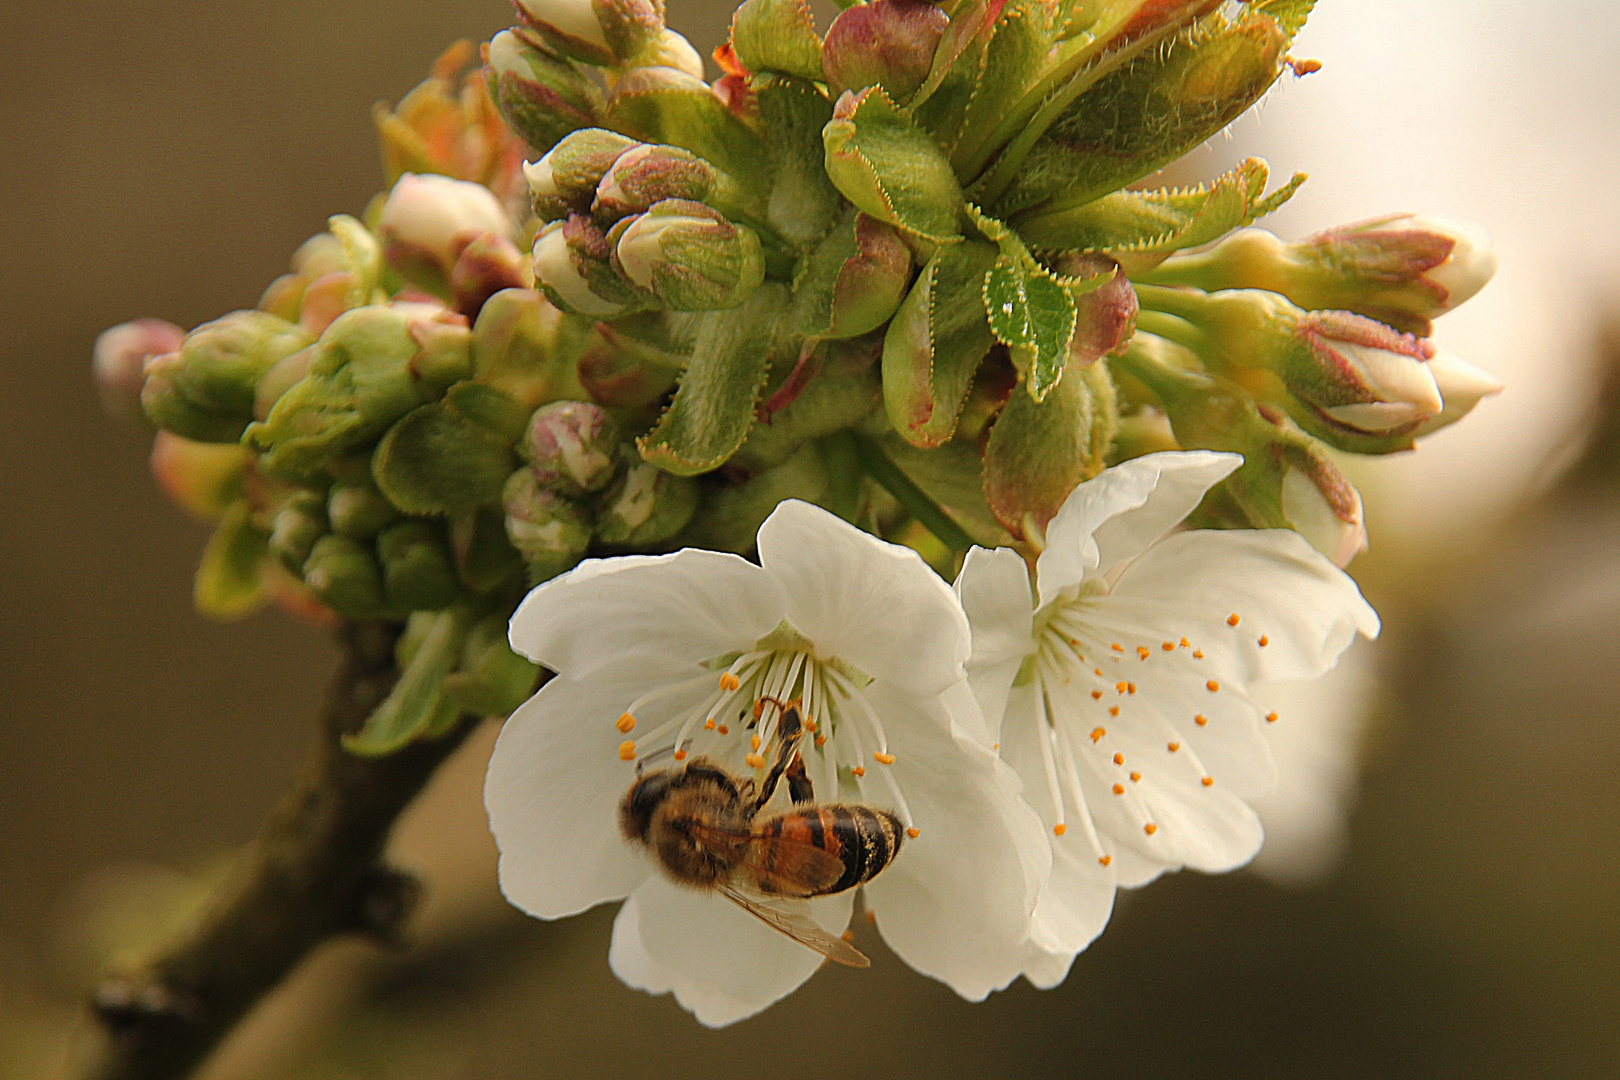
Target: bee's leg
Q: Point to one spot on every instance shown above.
(789, 731)
(799, 786)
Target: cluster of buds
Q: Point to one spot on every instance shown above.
(905, 270)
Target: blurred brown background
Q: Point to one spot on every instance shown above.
(164, 158)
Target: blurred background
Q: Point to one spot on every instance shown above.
(1441, 893)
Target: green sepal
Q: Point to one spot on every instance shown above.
(935, 342)
(940, 105)
(663, 105)
(411, 708)
(891, 168)
(777, 35)
(803, 202)
(485, 559)
(853, 280)
(492, 680)
(713, 407)
(344, 573)
(452, 455)
(834, 387)
(1142, 224)
(524, 348)
(1014, 56)
(1039, 452)
(230, 580)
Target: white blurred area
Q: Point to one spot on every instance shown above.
(1507, 114)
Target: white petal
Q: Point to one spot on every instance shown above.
(722, 963)
(874, 604)
(994, 589)
(1121, 512)
(1279, 586)
(955, 904)
(1046, 970)
(1078, 899)
(552, 793)
(667, 611)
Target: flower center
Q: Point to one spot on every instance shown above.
(732, 713)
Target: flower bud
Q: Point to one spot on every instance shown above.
(428, 220)
(1323, 507)
(119, 363)
(358, 510)
(572, 27)
(887, 43)
(572, 263)
(203, 478)
(417, 572)
(672, 50)
(572, 447)
(691, 256)
(295, 529)
(646, 174)
(548, 530)
(646, 506)
(1461, 385)
(564, 181)
(344, 573)
(542, 97)
(206, 390)
(525, 348)
(621, 371)
(486, 266)
(282, 376)
(1403, 269)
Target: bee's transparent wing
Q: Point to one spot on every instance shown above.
(797, 926)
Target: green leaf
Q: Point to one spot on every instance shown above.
(803, 202)
(1034, 316)
(890, 167)
(777, 35)
(229, 582)
(714, 404)
(953, 476)
(935, 343)
(1290, 13)
(414, 704)
(663, 105)
(452, 455)
(1014, 57)
(1161, 221)
(1039, 452)
(493, 679)
(940, 105)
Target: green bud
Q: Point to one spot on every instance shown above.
(206, 390)
(344, 573)
(646, 174)
(119, 363)
(855, 279)
(564, 181)
(204, 478)
(691, 256)
(571, 27)
(548, 530)
(358, 510)
(485, 559)
(487, 265)
(573, 264)
(572, 447)
(526, 348)
(370, 367)
(283, 376)
(645, 506)
(417, 572)
(541, 96)
(621, 370)
(295, 529)
(887, 43)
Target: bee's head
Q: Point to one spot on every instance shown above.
(642, 801)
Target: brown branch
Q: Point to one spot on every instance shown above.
(314, 872)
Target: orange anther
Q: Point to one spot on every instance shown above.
(729, 682)
(1213, 686)
(881, 758)
(1200, 719)
(809, 724)
(913, 832)
(680, 755)
(1096, 695)
(625, 723)
(1174, 747)
(753, 741)
(627, 750)
(1098, 672)
(1150, 828)
(1264, 641)
(1169, 646)
(1185, 644)
(1208, 781)
(1113, 710)
(1303, 68)
(1119, 789)
(821, 739)
(1198, 654)
(1117, 647)
(1105, 859)
(724, 730)
(1143, 651)
(754, 761)
(1130, 688)
(848, 935)
(1059, 829)
(1122, 686)
(1271, 718)
(859, 770)
(871, 916)
(1136, 777)
(1232, 619)
(708, 725)
(1098, 733)
(1119, 759)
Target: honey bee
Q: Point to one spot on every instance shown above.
(703, 827)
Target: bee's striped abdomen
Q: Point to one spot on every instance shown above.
(865, 839)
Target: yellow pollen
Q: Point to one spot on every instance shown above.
(1074, 643)
(1198, 654)
(1113, 710)
(1174, 747)
(859, 770)
(1097, 734)
(1117, 647)
(1185, 644)
(1119, 759)
(724, 730)
(753, 741)
(754, 761)
(913, 832)
(1208, 781)
(1122, 686)
(1096, 695)
(1136, 778)
(1169, 646)
(1143, 651)
(1232, 619)
(708, 725)
(625, 723)
(1098, 672)
(848, 935)
(1130, 688)
(1271, 718)
(1150, 828)
(821, 740)
(809, 724)
(1059, 829)
(1105, 859)
(1213, 686)
(1200, 719)
(759, 708)
(881, 758)
(680, 755)
(1119, 789)
(997, 746)
(1264, 641)
(627, 750)
(729, 682)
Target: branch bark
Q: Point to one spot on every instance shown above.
(314, 872)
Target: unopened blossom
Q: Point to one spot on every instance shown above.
(662, 659)
(1119, 688)
(429, 219)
